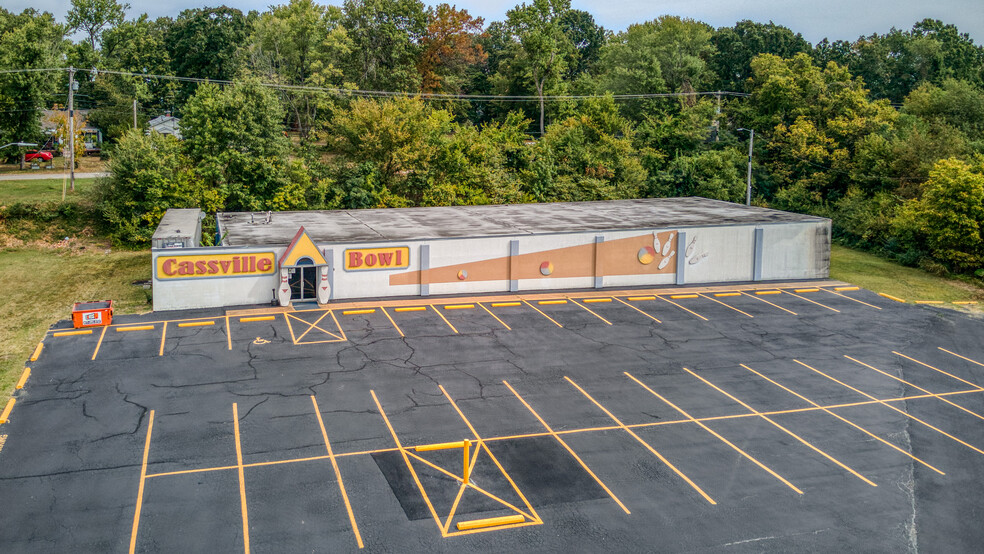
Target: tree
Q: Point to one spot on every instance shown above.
(735, 47)
(628, 64)
(587, 38)
(136, 46)
(683, 47)
(893, 64)
(148, 175)
(300, 44)
(948, 221)
(450, 48)
(783, 90)
(397, 136)
(543, 48)
(30, 40)
(385, 38)
(718, 174)
(234, 138)
(668, 53)
(586, 157)
(955, 103)
(204, 43)
(60, 121)
(92, 16)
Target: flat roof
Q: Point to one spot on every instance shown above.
(403, 224)
(178, 222)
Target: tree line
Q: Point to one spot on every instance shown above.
(388, 103)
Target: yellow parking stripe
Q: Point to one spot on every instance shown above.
(490, 522)
(851, 299)
(890, 297)
(37, 351)
(543, 314)
(682, 308)
(338, 474)
(770, 303)
(496, 317)
(6, 411)
(721, 438)
(23, 378)
(438, 312)
(784, 429)
(726, 305)
(889, 406)
(70, 333)
(903, 381)
(978, 387)
(568, 448)
(578, 304)
(812, 302)
(98, 344)
(395, 326)
(640, 440)
(638, 310)
(137, 328)
(258, 318)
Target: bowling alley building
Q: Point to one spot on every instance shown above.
(309, 257)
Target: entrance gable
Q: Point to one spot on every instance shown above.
(302, 246)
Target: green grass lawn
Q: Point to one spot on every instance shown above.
(908, 283)
(42, 190)
(40, 285)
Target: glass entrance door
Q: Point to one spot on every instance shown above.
(303, 281)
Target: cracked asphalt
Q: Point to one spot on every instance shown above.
(781, 423)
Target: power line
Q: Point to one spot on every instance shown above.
(390, 94)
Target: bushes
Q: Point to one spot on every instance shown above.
(947, 223)
(150, 174)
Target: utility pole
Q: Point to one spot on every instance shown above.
(717, 118)
(134, 113)
(748, 186)
(71, 126)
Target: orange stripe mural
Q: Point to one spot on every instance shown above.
(648, 254)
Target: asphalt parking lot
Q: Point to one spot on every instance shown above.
(807, 417)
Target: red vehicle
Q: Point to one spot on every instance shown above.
(38, 155)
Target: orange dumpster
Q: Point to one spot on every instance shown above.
(92, 314)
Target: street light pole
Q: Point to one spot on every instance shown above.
(71, 126)
(748, 186)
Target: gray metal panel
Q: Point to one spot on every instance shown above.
(681, 261)
(448, 222)
(330, 258)
(599, 279)
(759, 242)
(424, 266)
(180, 227)
(513, 252)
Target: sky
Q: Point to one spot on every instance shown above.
(815, 20)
